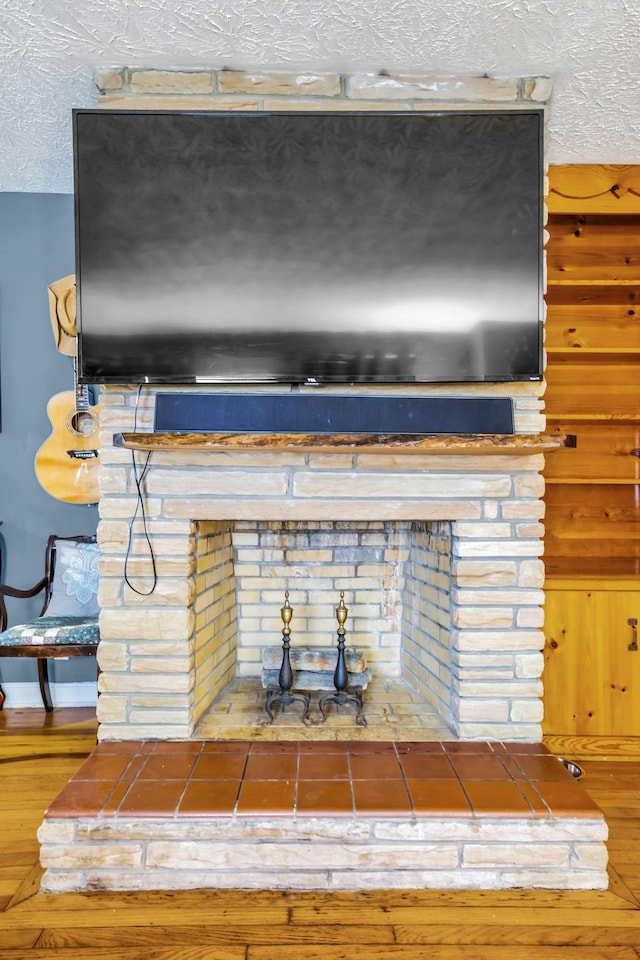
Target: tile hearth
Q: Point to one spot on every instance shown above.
(322, 815)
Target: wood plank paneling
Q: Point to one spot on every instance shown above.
(594, 188)
(605, 452)
(586, 520)
(592, 679)
(605, 328)
(592, 389)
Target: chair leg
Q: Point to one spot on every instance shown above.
(43, 680)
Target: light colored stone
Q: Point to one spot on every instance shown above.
(530, 617)
(171, 81)
(538, 89)
(523, 509)
(473, 640)
(174, 665)
(531, 573)
(483, 711)
(109, 683)
(294, 857)
(516, 597)
(499, 548)
(57, 831)
(527, 711)
(240, 483)
(113, 479)
(383, 486)
(489, 617)
(529, 665)
(320, 508)
(112, 709)
(63, 881)
(438, 88)
(488, 531)
(528, 486)
(515, 854)
(283, 83)
(503, 688)
(146, 624)
(112, 656)
(545, 879)
(589, 856)
(78, 856)
(109, 78)
(141, 731)
(484, 573)
(169, 592)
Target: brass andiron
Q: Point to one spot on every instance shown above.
(282, 693)
(344, 693)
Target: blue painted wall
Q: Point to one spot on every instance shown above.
(36, 248)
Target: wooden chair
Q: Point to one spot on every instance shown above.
(68, 623)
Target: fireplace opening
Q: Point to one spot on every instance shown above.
(395, 578)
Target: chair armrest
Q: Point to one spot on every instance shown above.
(7, 591)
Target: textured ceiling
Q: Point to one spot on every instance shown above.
(49, 49)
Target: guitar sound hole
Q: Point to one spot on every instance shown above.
(82, 423)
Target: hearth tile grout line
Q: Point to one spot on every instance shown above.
(147, 750)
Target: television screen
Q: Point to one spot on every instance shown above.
(350, 247)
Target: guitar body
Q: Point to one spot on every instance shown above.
(67, 463)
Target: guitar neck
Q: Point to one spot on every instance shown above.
(82, 397)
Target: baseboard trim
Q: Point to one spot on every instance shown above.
(26, 695)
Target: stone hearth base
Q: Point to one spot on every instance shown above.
(325, 816)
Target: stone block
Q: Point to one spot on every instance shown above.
(171, 81)
(109, 78)
(283, 83)
(437, 88)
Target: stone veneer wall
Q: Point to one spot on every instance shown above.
(164, 656)
(426, 614)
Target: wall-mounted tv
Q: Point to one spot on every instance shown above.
(304, 247)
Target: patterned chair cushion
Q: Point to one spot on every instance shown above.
(75, 580)
(44, 630)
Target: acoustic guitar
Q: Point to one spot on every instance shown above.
(67, 464)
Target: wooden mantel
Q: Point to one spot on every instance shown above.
(430, 444)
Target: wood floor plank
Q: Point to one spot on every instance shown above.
(227, 907)
(449, 952)
(68, 911)
(532, 935)
(207, 935)
(626, 919)
(619, 886)
(18, 940)
(216, 952)
(28, 886)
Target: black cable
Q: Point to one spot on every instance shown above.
(140, 508)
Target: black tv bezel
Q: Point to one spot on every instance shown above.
(149, 378)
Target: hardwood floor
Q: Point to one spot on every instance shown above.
(38, 754)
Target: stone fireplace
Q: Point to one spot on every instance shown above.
(437, 545)
(438, 553)
(437, 550)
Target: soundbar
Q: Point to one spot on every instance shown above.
(310, 413)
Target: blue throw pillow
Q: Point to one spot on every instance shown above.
(75, 580)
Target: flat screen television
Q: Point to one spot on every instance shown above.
(309, 247)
